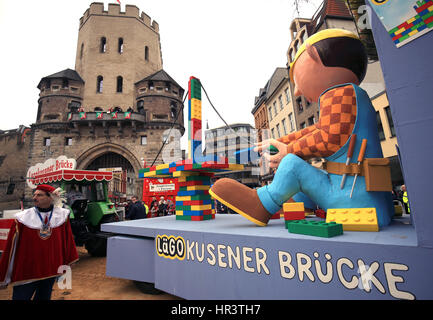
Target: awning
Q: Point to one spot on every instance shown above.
(79, 175)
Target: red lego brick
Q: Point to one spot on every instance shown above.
(294, 215)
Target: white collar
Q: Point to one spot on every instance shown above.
(30, 218)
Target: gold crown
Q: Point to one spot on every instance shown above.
(321, 35)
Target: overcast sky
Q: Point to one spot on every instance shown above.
(233, 47)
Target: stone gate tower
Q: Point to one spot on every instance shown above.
(116, 107)
(115, 50)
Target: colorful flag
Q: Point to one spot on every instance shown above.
(99, 114)
(128, 115)
(82, 115)
(69, 116)
(114, 115)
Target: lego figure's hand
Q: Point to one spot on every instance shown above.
(274, 160)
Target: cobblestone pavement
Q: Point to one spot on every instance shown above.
(89, 282)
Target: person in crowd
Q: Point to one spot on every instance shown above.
(136, 210)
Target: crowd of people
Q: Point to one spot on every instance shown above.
(157, 208)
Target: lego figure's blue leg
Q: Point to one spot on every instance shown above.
(292, 176)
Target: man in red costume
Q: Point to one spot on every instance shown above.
(38, 243)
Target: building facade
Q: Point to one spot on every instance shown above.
(118, 105)
(225, 142)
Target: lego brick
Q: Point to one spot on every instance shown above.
(429, 20)
(315, 228)
(194, 183)
(196, 212)
(194, 207)
(293, 206)
(413, 33)
(190, 198)
(354, 219)
(193, 202)
(162, 166)
(205, 179)
(294, 215)
(194, 87)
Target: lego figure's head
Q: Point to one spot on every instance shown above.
(326, 59)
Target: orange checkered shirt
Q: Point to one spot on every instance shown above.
(336, 121)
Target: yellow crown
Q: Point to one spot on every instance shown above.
(321, 35)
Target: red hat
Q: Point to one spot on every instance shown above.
(46, 188)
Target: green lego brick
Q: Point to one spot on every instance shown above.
(183, 217)
(430, 25)
(428, 15)
(393, 30)
(195, 89)
(197, 178)
(404, 38)
(144, 170)
(315, 228)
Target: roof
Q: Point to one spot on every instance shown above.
(65, 74)
(160, 75)
(337, 8)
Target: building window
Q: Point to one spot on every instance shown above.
(143, 140)
(146, 53)
(119, 87)
(280, 100)
(284, 126)
(379, 126)
(65, 83)
(99, 84)
(299, 105)
(140, 106)
(11, 188)
(47, 142)
(303, 125)
(390, 122)
(48, 85)
(68, 141)
(120, 46)
(292, 122)
(103, 45)
(273, 133)
(311, 120)
(173, 110)
(150, 85)
(81, 51)
(287, 94)
(275, 108)
(270, 113)
(278, 130)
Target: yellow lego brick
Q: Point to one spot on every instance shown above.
(185, 173)
(234, 166)
(293, 206)
(162, 166)
(355, 219)
(399, 31)
(413, 33)
(149, 174)
(183, 198)
(201, 207)
(430, 8)
(179, 213)
(190, 188)
(411, 20)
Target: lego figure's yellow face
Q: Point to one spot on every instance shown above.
(312, 77)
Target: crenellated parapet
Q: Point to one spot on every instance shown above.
(114, 10)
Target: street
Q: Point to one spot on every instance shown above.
(89, 282)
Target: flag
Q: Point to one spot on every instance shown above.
(114, 115)
(69, 116)
(99, 114)
(128, 115)
(118, 1)
(82, 115)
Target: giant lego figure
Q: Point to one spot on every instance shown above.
(327, 68)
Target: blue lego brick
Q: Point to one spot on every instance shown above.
(406, 32)
(192, 193)
(424, 12)
(422, 27)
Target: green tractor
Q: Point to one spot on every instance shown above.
(87, 198)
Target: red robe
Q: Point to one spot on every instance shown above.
(27, 257)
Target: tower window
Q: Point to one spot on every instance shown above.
(140, 105)
(99, 83)
(68, 141)
(146, 53)
(81, 51)
(103, 47)
(143, 140)
(47, 142)
(120, 45)
(119, 84)
(65, 83)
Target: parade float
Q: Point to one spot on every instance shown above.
(355, 253)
